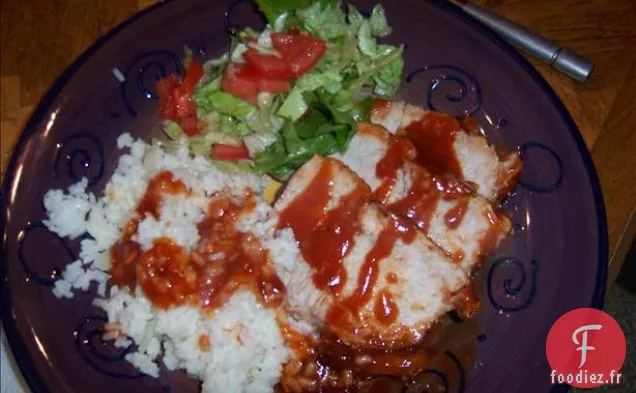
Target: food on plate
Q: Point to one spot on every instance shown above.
(282, 95)
(446, 145)
(295, 233)
(451, 213)
(375, 280)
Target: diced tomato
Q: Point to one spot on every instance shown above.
(175, 99)
(308, 60)
(193, 76)
(242, 81)
(274, 85)
(302, 51)
(230, 152)
(268, 66)
(164, 89)
(285, 43)
(183, 104)
(189, 125)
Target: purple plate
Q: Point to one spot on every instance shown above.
(556, 260)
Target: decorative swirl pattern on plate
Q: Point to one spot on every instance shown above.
(102, 356)
(432, 380)
(450, 89)
(144, 71)
(557, 160)
(80, 155)
(32, 274)
(510, 273)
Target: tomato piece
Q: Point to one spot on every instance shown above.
(184, 105)
(301, 51)
(242, 81)
(230, 152)
(285, 43)
(189, 125)
(312, 51)
(268, 66)
(193, 76)
(164, 89)
(274, 85)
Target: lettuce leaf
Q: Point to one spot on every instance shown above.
(319, 114)
(294, 106)
(265, 120)
(388, 81)
(272, 9)
(326, 21)
(379, 25)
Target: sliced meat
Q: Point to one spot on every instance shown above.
(376, 281)
(462, 223)
(444, 145)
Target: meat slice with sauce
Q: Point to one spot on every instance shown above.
(372, 279)
(446, 145)
(463, 223)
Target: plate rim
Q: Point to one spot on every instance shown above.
(17, 346)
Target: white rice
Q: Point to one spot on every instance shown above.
(247, 349)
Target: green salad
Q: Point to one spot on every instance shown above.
(279, 96)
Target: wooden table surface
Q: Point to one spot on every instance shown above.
(40, 38)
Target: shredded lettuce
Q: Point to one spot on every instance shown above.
(294, 106)
(199, 144)
(273, 9)
(319, 113)
(290, 151)
(173, 131)
(265, 120)
(325, 21)
(379, 25)
(388, 80)
(354, 18)
(232, 167)
(227, 104)
(330, 80)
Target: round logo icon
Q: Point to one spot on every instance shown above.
(585, 349)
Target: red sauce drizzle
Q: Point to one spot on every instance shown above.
(307, 211)
(344, 314)
(492, 235)
(387, 168)
(420, 202)
(467, 303)
(380, 107)
(392, 278)
(434, 136)
(125, 253)
(223, 260)
(165, 274)
(385, 310)
(426, 190)
(325, 238)
(338, 356)
(455, 215)
(163, 183)
(470, 125)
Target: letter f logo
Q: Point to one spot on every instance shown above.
(584, 347)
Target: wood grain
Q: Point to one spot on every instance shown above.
(40, 38)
